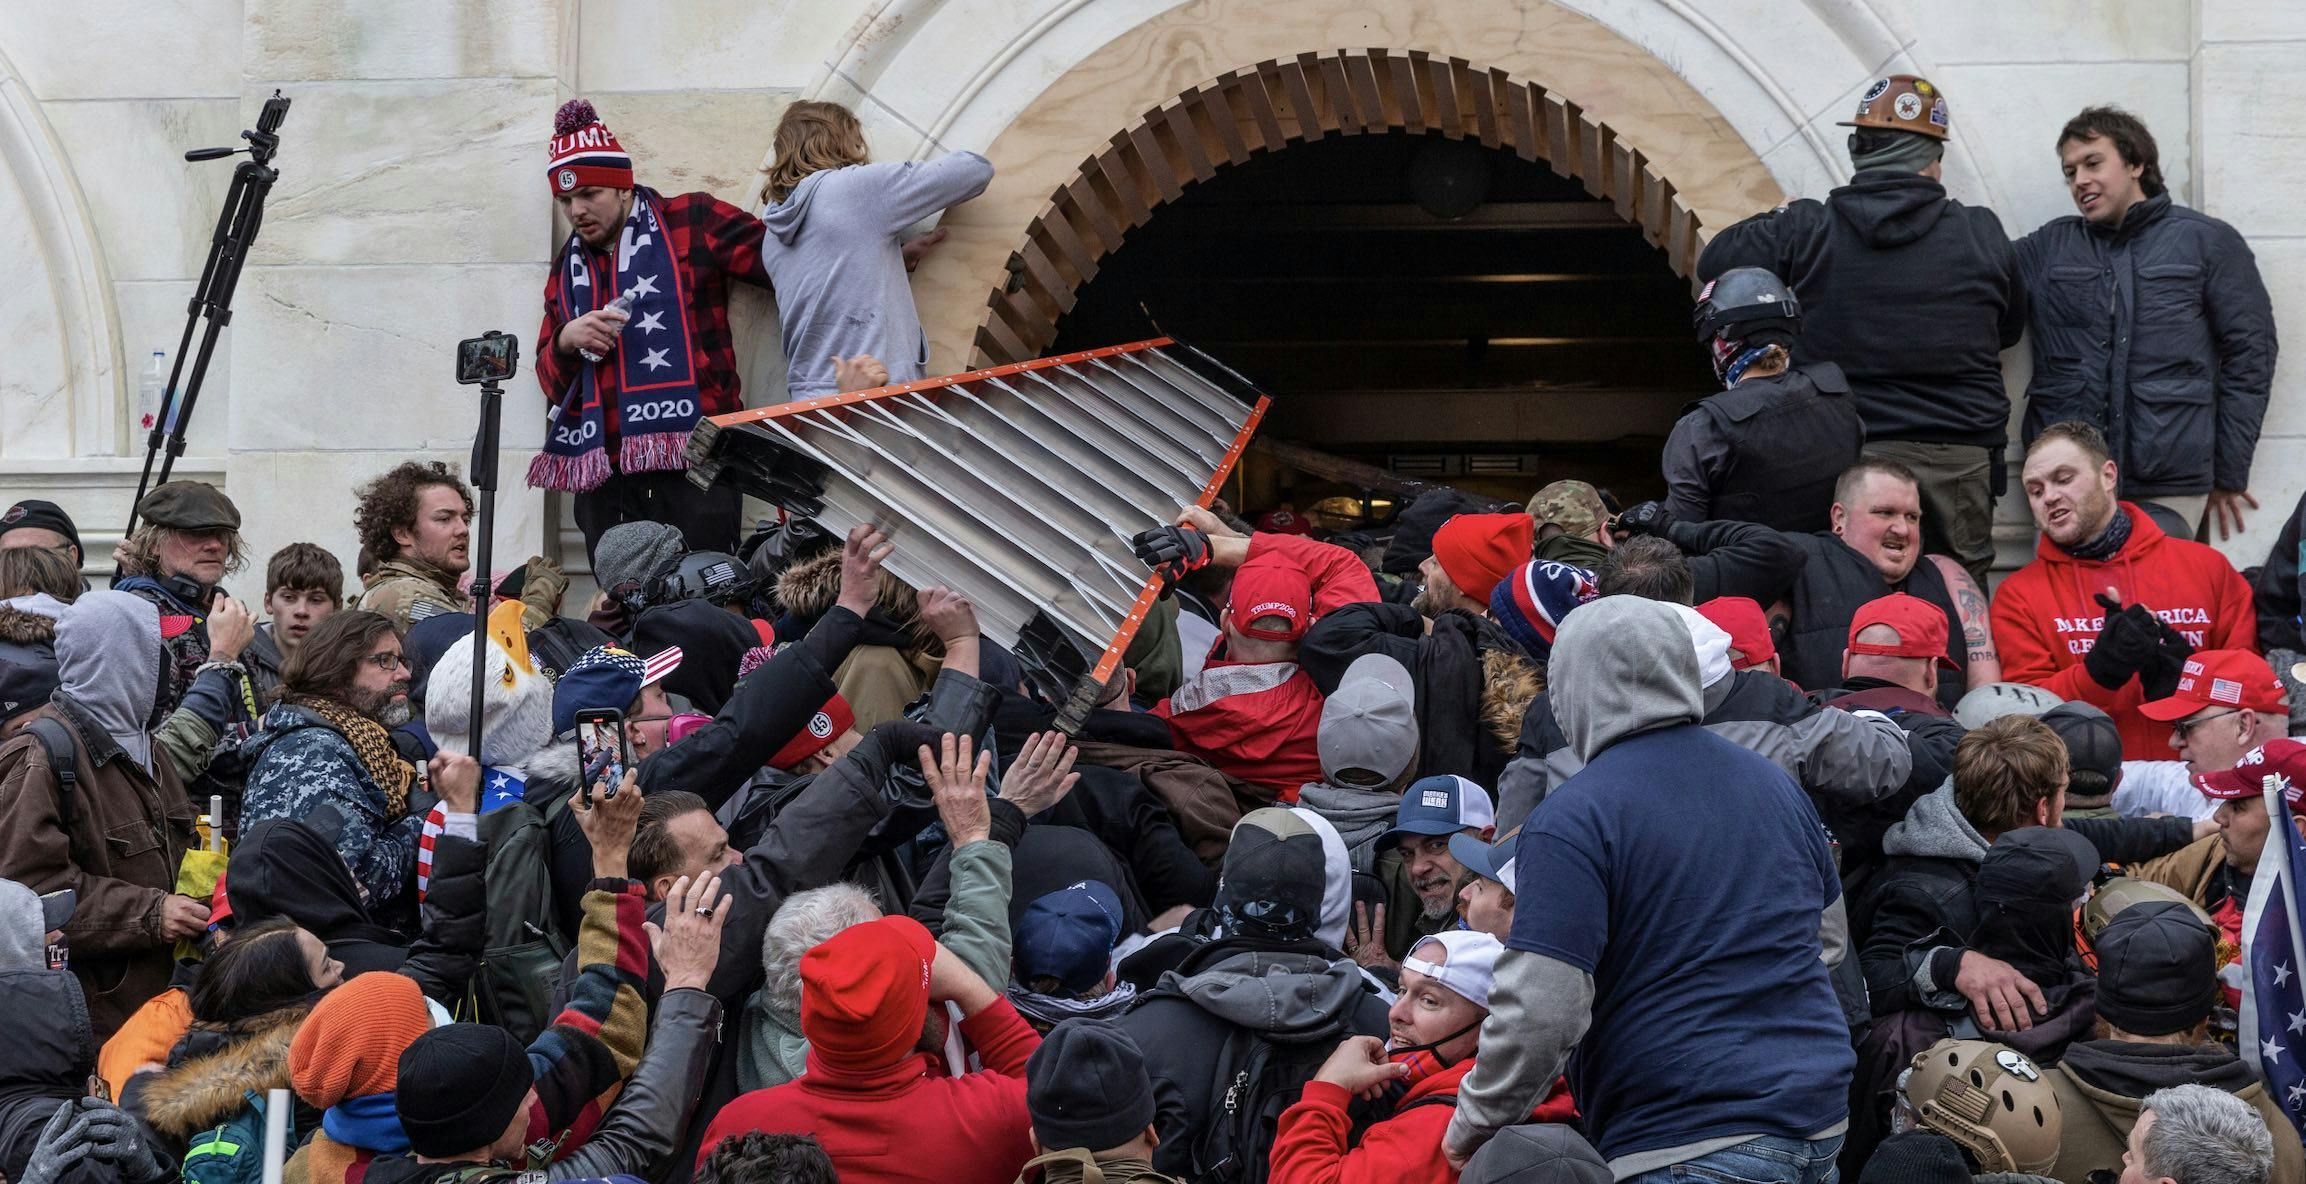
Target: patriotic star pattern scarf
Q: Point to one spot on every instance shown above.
(656, 379)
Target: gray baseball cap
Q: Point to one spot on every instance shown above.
(1994, 700)
(1537, 1153)
(1368, 735)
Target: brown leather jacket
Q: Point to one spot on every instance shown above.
(130, 831)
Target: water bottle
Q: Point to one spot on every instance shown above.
(622, 306)
(149, 388)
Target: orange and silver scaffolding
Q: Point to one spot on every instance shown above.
(1018, 487)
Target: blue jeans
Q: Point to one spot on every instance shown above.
(1766, 1160)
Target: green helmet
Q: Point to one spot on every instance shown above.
(2120, 893)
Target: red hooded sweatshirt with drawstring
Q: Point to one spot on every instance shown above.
(1313, 1143)
(2047, 616)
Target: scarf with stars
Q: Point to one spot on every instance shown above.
(652, 371)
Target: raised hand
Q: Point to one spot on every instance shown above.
(1041, 775)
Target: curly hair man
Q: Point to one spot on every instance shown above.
(415, 520)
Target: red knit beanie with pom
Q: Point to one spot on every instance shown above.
(584, 152)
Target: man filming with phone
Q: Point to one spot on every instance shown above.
(635, 345)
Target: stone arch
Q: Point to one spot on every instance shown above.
(65, 393)
(1243, 113)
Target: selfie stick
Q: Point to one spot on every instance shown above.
(483, 472)
(228, 248)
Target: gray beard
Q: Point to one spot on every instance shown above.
(395, 714)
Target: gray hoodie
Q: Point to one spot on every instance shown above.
(1603, 692)
(835, 259)
(108, 664)
(1934, 828)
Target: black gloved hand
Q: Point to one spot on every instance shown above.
(1647, 518)
(2159, 676)
(1179, 549)
(2127, 642)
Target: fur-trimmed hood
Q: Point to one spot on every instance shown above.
(25, 628)
(1509, 682)
(206, 1090)
(808, 589)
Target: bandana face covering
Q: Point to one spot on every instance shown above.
(1424, 1060)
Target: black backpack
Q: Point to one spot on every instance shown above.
(521, 965)
(1255, 1079)
(63, 749)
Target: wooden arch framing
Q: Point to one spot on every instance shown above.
(1276, 103)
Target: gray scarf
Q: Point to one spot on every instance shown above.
(1909, 153)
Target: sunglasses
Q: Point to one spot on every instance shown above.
(2185, 728)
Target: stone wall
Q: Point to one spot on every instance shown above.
(410, 211)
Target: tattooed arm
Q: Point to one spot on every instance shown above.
(1985, 665)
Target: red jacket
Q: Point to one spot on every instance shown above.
(1256, 721)
(2046, 616)
(1309, 1147)
(901, 1124)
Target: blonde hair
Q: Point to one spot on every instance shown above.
(140, 554)
(811, 137)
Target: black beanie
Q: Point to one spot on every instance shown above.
(2157, 969)
(460, 1087)
(1916, 1157)
(1086, 1087)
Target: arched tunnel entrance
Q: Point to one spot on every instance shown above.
(1446, 311)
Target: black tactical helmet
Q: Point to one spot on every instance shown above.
(1747, 304)
(715, 577)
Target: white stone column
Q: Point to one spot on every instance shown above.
(412, 211)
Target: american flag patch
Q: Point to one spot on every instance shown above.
(2225, 690)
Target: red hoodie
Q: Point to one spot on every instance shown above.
(901, 1124)
(1256, 721)
(1309, 1147)
(2047, 615)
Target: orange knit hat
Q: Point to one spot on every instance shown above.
(350, 1046)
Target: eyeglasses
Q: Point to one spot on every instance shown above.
(2185, 728)
(388, 661)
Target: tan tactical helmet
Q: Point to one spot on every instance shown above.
(2120, 893)
(1990, 1099)
(1903, 103)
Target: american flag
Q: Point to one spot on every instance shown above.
(498, 788)
(2273, 1027)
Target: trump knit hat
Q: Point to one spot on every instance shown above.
(865, 992)
(2219, 678)
(1478, 550)
(1531, 600)
(584, 152)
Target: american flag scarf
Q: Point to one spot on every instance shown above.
(656, 378)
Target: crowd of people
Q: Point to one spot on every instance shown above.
(1739, 835)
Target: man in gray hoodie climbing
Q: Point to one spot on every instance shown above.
(834, 251)
(1706, 1030)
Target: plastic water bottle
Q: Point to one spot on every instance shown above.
(149, 389)
(622, 306)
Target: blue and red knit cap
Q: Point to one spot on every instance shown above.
(585, 152)
(1531, 600)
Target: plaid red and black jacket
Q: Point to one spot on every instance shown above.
(715, 242)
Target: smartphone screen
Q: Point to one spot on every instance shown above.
(601, 750)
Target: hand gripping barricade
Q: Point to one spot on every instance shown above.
(1018, 486)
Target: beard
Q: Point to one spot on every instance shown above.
(1437, 903)
(388, 706)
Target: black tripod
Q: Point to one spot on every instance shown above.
(236, 228)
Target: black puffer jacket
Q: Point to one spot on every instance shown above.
(2161, 333)
(43, 1064)
(1914, 294)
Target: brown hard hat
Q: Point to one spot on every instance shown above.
(1903, 103)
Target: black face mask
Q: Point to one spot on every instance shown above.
(186, 590)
